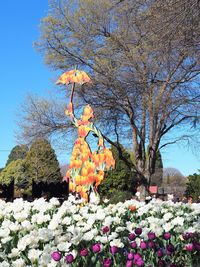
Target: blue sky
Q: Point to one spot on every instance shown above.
(23, 70)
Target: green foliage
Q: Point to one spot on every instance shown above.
(193, 186)
(119, 196)
(14, 170)
(18, 152)
(23, 165)
(41, 162)
(121, 178)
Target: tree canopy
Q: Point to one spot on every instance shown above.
(143, 57)
(18, 152)
(15, 170)
(193, 186)
(41, 163)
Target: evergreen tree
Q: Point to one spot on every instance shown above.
(14, 170)
(18, 152)
(120, 179)
(193, 186)
(41, 162)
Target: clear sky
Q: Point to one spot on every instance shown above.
(22, 71)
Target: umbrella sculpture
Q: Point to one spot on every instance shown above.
(86, 168)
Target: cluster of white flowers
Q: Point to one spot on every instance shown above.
(31, 231)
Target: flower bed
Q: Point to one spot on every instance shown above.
(44, 233)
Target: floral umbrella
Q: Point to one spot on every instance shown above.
(74, 76)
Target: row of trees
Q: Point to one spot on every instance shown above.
(38, 163)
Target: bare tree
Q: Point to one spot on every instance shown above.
(145, 77)
(173, 176)
(43, 118)
(174, 181)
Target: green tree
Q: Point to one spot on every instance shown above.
(15, 170)
(119, 182)
(193, 186)
(18, 152)
(41, 162)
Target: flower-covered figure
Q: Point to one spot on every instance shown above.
(86, 168)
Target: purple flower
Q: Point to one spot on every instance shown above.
(105, 229)
(114, 249)
(56, 256)
(143, 245)
(96, 248)
(160, 253)
(137, 256)
(69, 258)
(151, 244)
(172, 265)
(84, 252)
(129, 263)
(107, 262)
(133, 244)
(140, 262)
(196, 245)
(189, 247)
(151, 235)
(131, 236)
(191, 235)
(161, 263)
(170, 248)
(186, 236)
(130, 256)
(138, 231)
(167, 236)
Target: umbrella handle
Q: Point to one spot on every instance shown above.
(72, 92)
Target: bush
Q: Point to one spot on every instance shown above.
(119, 196)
